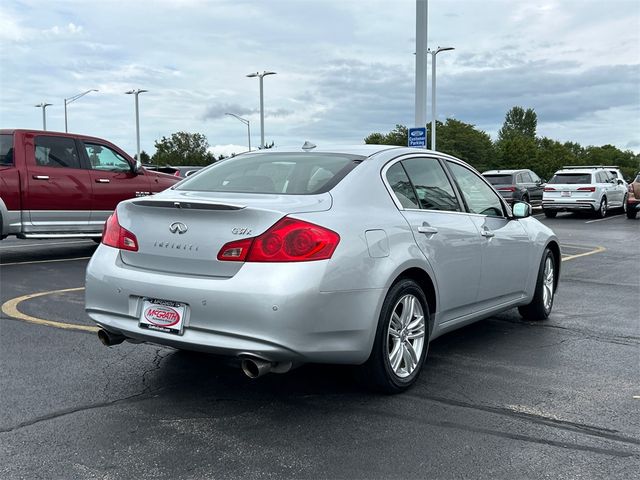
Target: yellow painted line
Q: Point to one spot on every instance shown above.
(591, 252)
(10, 308)
(44, 261)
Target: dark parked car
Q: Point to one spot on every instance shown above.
(517, 185)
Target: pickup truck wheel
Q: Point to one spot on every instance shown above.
(631, 213)
(540, 306)
(550, 213)
(401, 342)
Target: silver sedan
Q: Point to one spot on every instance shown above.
(358, 256)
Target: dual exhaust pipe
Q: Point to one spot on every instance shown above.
(252, 367)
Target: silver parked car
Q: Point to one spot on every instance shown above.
(357, 256)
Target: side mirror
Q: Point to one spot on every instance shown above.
(137, 167)
(620, 182)
(521, 210)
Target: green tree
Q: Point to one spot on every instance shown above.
(464, 141)
(183, 148)
(552, 155)
(398, 136)
(519, 121)
(610, 155)
(144, 157)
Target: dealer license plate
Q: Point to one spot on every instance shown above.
(565, 194)
(162, 315)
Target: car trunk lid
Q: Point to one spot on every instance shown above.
(182, 232)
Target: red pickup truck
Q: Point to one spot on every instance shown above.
(59, 185)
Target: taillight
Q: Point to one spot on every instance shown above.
(115, 236)
(506, 189)
(289, 240)
(630, 188)
(176, 173)
(549, 189)
(587, 189)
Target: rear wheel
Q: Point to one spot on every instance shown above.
(624, 204)
(402, 340)
(602, 211)
(631, 212)
(542, 302)
(550, 213)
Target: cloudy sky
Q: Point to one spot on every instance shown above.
(344, 68)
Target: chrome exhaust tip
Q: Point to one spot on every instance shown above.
(109, 339)
(254, 367)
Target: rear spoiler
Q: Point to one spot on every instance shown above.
(200, 205)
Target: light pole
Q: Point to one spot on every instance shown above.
(433, 91)
(422, 8)
(44, 106)
(261, 76)
(136, 93)
(246, 122)
(67, 101)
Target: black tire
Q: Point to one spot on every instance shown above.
(550, 213)
(377, 372)
(537, 309)
(602, 211)
(631, 213)
(624, 207)
(97, 240)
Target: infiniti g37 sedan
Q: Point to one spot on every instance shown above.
(358, 256)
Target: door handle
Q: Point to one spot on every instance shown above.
(102, 180)
(41, 177)
(427, 230)
(487, 233)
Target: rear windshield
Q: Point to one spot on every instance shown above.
(499, 179)
(6, 149)
(281, 173)
(571, 178)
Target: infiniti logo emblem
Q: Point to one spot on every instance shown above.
(178, 227)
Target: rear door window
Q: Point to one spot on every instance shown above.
(431, 184)
(304, 173)
(6, 149)
(56, 152)
(401, 186)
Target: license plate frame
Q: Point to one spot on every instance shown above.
(167, 316)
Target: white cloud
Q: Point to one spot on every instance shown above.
(228, 150)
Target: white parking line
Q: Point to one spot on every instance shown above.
(602, 219)
(45, 261)
(10, 247)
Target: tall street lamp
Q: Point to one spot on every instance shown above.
(67, 101)
(433, 91)
(136, 93)
(44, 106)
(261, 76)
(246, 122)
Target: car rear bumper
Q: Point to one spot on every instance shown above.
(569, 206)
(273, 311)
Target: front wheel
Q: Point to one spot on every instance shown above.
(402, 340)
(550, 213)
(542, 303)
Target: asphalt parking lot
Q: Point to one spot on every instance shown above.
(503, 398)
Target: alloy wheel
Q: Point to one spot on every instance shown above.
(406, 335)
(547, 286)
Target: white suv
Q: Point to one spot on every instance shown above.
(592, 189)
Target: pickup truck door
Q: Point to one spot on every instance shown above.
(112, 178)
(58, 188)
